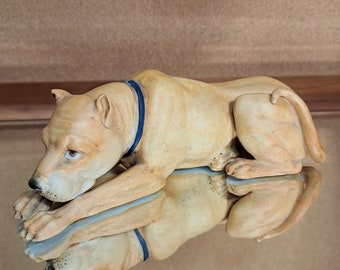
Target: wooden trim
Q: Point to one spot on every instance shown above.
(321, 93)
(32, 103)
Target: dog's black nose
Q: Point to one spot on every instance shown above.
(34, 184)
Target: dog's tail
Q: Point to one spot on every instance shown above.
(310, 136)
(312, 185)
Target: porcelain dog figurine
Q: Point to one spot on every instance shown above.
(195, 201)
(163, 123)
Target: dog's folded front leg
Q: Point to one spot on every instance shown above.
(113, 221)
(136, 182)
(28, 203)
(133, 218)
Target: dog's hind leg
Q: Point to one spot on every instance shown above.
(252, 168)
(270, 133)
(312, 185)
(265, 205)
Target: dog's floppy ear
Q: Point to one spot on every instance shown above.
(105, 110)
(58, 95)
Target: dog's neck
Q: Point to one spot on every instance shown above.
(125, 109)
(128, 109)
(140, 113)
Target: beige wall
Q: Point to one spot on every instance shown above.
(105, 40)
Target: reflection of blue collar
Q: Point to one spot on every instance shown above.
(143, 244)
(141, 113)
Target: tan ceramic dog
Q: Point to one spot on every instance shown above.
(195, 201)
(187, 124)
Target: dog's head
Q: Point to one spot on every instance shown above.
(81, 145)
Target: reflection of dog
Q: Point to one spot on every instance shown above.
(192, 206)
(187, 124)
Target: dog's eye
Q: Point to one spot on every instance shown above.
(72, 154)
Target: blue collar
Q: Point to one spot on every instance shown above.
(141, 112)
(143, 244)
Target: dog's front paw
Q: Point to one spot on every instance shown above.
(43, 225)
(46, 250)
(28, 203)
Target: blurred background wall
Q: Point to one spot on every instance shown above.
(105, 40)
(54, 41)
